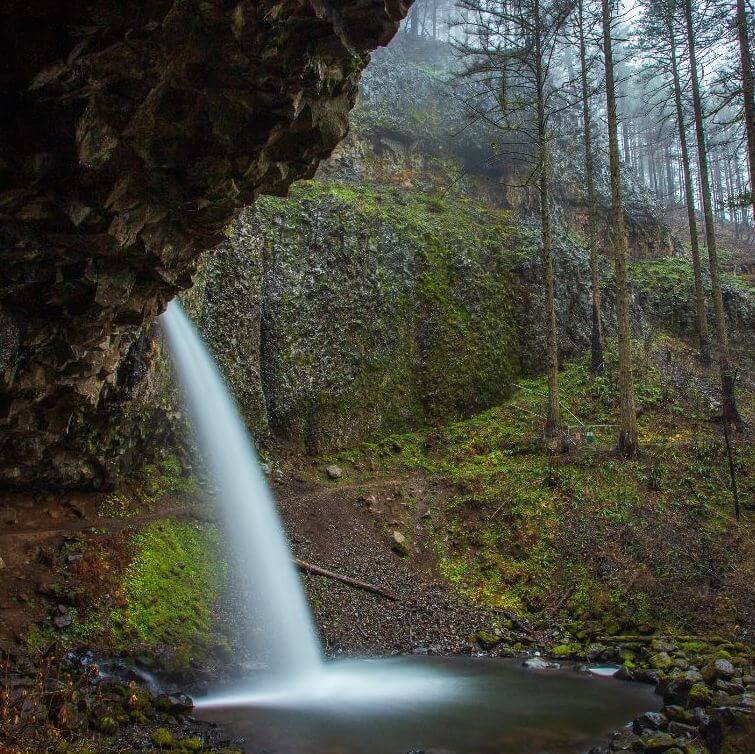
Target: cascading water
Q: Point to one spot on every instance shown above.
(374, 706)
(283, 633)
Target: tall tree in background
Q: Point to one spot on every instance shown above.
(659, 37)
(728, 403)
(748, 95)
(596, 340)
(508, 52)
(627, 441)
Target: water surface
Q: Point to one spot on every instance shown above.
(439, 705)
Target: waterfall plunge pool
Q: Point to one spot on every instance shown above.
(436, 705)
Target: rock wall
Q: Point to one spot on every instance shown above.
(131, 133)
(373, 310)
(347, 312)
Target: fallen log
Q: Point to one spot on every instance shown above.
(305, 567)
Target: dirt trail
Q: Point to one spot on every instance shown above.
(342, 526)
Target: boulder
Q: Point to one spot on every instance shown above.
(649, 721)
(719, 669)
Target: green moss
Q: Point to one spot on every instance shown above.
(167, 594)
(566, 650)
(519, 527)
(700, 695)
(439, 340)
(162, 738)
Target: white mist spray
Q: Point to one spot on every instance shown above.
(283, 632)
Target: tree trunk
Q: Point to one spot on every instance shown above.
(553, 422)
(718, 189)
(700, 305)
(728, 403)
(627, 443)
(596, 341)
(670, 185)
(748, 93)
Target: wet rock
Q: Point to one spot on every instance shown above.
(655, 743)
(2, 563)
(649, 721)
(538, 663)
(333, 471)
(174, 704)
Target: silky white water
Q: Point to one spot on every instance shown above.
(282, 633)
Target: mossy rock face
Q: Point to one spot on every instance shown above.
(373, 311)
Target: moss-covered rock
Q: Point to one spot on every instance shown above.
(373, 311)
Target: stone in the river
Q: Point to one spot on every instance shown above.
(2, 563)
(399, 543)
(538, 663)
(333, 471)
(719, 669)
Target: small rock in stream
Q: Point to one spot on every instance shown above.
(538, 663)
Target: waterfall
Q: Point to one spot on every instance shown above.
(283, 632)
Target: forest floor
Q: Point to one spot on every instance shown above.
(492, 540)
